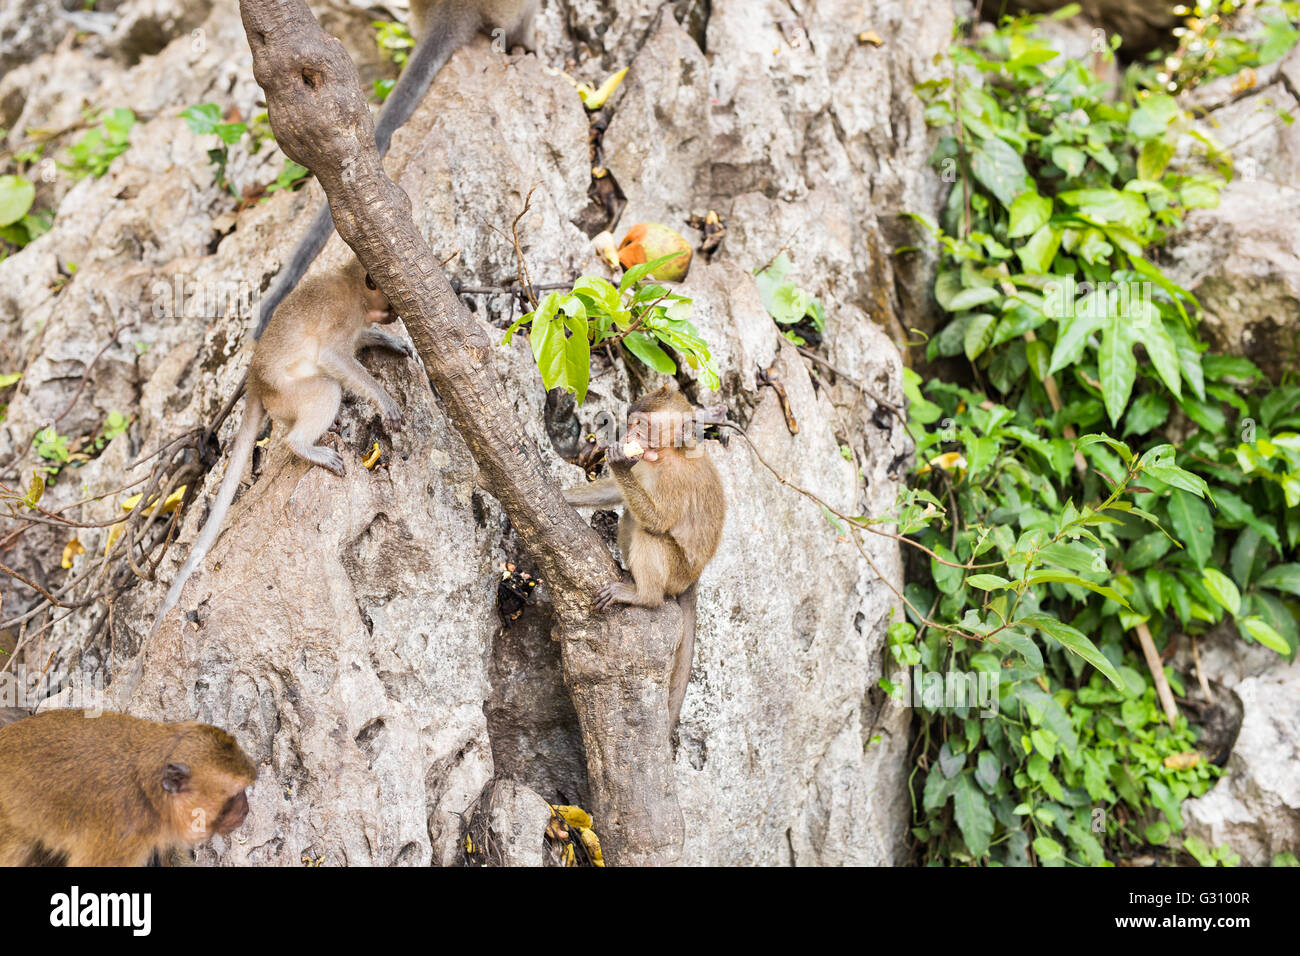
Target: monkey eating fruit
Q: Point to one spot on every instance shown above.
(115, 790)
(441, 28)
(673, 513)
(299, 370)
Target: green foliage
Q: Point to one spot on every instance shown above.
(788, 304)
(1178, 509)
(95, 151)
(1207, 47)
(291, 177)
(205, 120)
(642, 316)
(394, 41)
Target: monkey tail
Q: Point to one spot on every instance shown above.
(448, 26)
(681, 675)
(241, 452)
(304, 254)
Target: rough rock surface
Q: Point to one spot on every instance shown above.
(1242, 260)
(346, 629)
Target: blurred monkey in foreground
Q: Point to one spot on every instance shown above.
(115, 790)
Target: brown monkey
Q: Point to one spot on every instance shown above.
(299, 370)
(673, 513)
(113, 790)
(442, 27)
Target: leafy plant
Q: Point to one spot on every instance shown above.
(643, 317)
(1049, 272)
(394, 40)
(95, 151)
(205, 120)
(788, 304)
(291, 177)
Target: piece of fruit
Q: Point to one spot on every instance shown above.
(647, 241)
(633, 449)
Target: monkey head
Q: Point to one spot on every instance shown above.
(662, 419)
(378, 310)
(203, 779)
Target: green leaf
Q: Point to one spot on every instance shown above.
(987, 582)
(1061, 577)
(1117, 367)
(1075, 641)
(1147, 411)
(1153, 159)
(1070, 160)
(1192, 525)
(1283, 577)
(979, 332)
(969, 298)
(1222, 589)
(1264, 634)
(648, 351)
(1152, 116)
(971, 811)
(1037, 254)
(1029, 213)
(16, 197)
(1161, 349)
(1000, 170)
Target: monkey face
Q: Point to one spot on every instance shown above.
(379, 311)
(655, 430)
(233, 813)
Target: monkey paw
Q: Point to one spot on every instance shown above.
(604, 598)
(332, 461)
(394, 419)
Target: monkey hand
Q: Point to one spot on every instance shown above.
(393, 417)
(617, 458)
(605, 597)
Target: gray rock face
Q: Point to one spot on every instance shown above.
(29, 28)
(1241, 260)
(346, 630)
(1255, 808)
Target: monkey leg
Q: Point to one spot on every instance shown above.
(372, 337)
(317, 402)
(352, 375)
(648, 561)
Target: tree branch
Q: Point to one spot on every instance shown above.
(615, 664)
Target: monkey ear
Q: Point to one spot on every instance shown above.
(175, 777)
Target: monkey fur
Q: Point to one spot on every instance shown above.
(673, 512)
(300, 368)
(441, 28)
(115, 790)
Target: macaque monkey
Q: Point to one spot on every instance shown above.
(441, 28)
(115, 790)
(299, 370)
(673, 512)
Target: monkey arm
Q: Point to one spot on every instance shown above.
(352, 375)
(597, 494)
(642, 507)
(372, 337)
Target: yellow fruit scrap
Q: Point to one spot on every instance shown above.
(72, 550)
(592, 98)
(580, 820)
(372, 459)
(171, 504)
(948, 461)
(872, 37)
(1183, 761)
